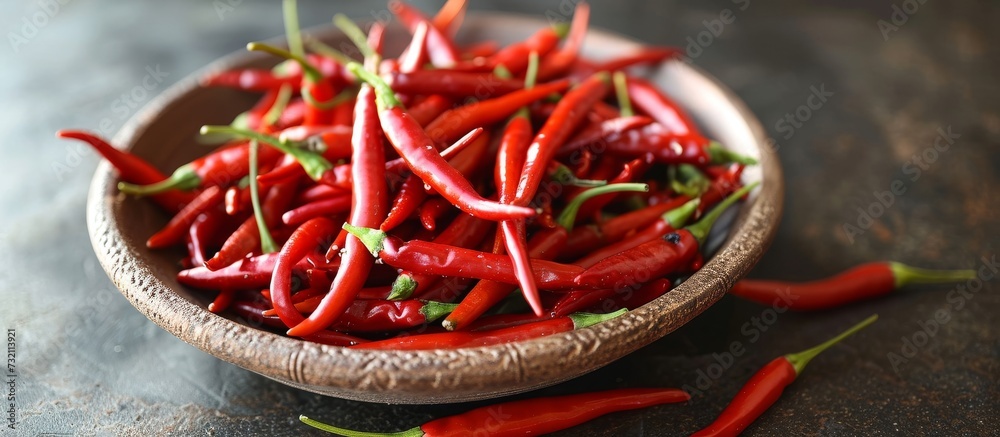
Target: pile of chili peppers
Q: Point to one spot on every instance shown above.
(510, 192)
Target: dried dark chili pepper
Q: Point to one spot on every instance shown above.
(765, 387)
(424, 160)
(132, 169)
(529, 416)
(370, 207)
(866, 281)
(655, 259)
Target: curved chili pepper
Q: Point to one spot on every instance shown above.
(132, 169)
(529, 416)
(412, 143)
(604, 131)
(657, 258)
(542, 246)
(305, 239)
(569, 213)
(866, 281)
(246, 238)
(426, 110)
(423, 256)
(431, 211)
(440, 48)
(317, 92)
(515, 56)
(558, 63)
(666, 147)
(318, 192)
(449, 17)
(462, 339)
(382, 315)
(668, 222)
(414, 57)
(631, 171)
(320, 208)
(584, 239)
(719, 188)
(222, 301)
(314, 164)
(370, 206)
(456, 84)
(456, 122)
(248, 273)
(174, 231)
(765, 387)
(568, 114)
(648, 98)
(200, 234)
(249, 79)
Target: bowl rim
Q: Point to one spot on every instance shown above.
(433, 376)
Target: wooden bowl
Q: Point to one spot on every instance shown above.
(164, 132)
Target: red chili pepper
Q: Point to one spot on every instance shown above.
(668, 222)
(648, 98)
(456, 84)
(222, 301)
(254, 313)
(568, 114)
(486, 294)
(456, 122)
(250, 79)
(462, 339)
(515, 56)
(431, 211)
(440, 48)
(414, 57)
(449, 17)
(175, 230)
(320, 208)
(765, 387)
(317, 92)
(248, 273)
(429, 108)
(424, 160)
(630, 172)
(866, 281)
(603, 132)
(305, 239)
(647, 55)
(438, 259)
(584, 239)
(720, 187)
(655, 259)
(529, 416)
(558, 63)
(201, 233)
(132, 169)
(383, 315)
(667, 148)
(465, 231)
(246, 238)
(480, 50)
(370, 206)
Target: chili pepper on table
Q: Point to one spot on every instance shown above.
(456, 122)
(765, 387)
(370, 206)
(463, 339)
(655, 259)
(412, 143)
(447, 260)
(132, 169)
(866, 281)
(529, 416)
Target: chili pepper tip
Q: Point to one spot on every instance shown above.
(799, 360)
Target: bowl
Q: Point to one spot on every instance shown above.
(164, 131)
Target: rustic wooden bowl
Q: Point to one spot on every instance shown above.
(164, 132)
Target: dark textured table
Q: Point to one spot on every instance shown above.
(88, 363)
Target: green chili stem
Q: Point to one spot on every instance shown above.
(280, 103)
(184, 178)
(267, 244)
(412, 432)
(502, 72)
(313, 163)
(563, 175)
(386, 97)
(354, 33)
(905, 275)
(621, 92)
(568, 215)
(561, 29)
(330, 52)
(701, 229)
(721, 155)
(531, 76)
(583, 320)
(689, 181)
(402, 288)
(371, 238)
(293, 33)
(341, 97)
(799, 360)
(435, 310)
(677, 217)
(311, 72)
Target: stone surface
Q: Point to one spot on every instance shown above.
(89, 363)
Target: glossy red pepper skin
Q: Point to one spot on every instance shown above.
(649, 99)
(462, 339)
(568, 114)
(444, 260)
(603, 132)
(515, 56)
(655, 259)
(631, 171)
(584, 239)
(408, 199)
(548, 414)
(720, 187)
(859, 283)
(250, 79)
(248, 273)
(246, 238)
(666, 147)
(465, 231)
(175, 230)
(559, 62)
(433, 210)
(440, 48)
(756, 396)
(426, 110)
(132, 169)
(455, 84)
(201, 233)
(338, 204)
(254, 314)
(370, 196)
(381, 316)
(307, 238)
(454, 123)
